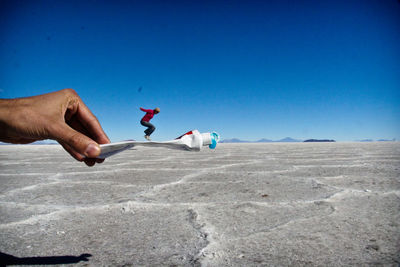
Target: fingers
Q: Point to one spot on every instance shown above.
(46, 116)
(91, 162)
(91, 124)
(88, 161)
(76, 124)
(75, 142)
(80, 133)
(72, 152)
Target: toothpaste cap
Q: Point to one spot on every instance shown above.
(210, 139)
(214, 140)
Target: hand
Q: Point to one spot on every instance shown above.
(61, 116)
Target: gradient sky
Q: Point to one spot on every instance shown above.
(246, 69)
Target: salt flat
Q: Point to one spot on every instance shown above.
(321, 204)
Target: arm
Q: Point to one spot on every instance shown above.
(146, 110)
(61, 116)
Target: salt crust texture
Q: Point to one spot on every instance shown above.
(320, 204)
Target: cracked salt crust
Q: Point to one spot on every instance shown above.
(240, 205)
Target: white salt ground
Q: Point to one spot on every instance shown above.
(325, 204)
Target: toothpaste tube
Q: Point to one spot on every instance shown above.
(191, 141)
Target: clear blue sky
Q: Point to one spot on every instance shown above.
(246, 69)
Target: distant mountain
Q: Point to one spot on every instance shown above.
(379, 140)
(44, 142)
(318, 140)
(289, 140)
(233, 140)
(263, 140)
(5, 144)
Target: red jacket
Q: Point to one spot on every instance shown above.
(149, 114)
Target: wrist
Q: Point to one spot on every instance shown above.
(10, 113)
(6, 106)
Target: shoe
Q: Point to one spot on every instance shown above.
(147, 137)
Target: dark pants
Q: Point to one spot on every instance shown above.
(150, 127)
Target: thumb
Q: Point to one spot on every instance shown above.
(77, 141)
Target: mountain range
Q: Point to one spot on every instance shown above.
(264, 140)
(291, 140)
(379, 140)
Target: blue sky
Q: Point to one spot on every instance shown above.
(246, 69)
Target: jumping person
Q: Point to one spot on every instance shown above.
(146, 121)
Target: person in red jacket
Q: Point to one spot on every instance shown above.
(146, 121)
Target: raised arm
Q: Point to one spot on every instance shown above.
(146, 110)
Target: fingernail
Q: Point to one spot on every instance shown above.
(92, 150)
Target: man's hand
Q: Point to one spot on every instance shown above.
(61, 116)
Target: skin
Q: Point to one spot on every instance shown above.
(61, 116)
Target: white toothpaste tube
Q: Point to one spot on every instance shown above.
(191, 141)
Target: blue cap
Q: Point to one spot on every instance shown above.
(214, 140)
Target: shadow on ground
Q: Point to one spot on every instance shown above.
(6, 260)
